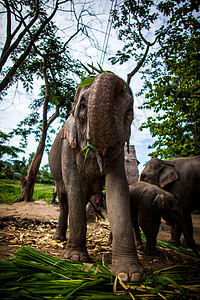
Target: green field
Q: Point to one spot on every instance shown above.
(10, 191)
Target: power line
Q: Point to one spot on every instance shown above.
(107, 35)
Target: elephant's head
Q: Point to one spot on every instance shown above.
(103, 112)
(171, 211)
(169, 208)
(159, 173)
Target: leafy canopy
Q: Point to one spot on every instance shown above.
(175, 97)
(61, 71)
(163, 38)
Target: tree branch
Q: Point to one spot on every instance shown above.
(139, 64)
(13, 69)
(8, 38)
(53, 117)
(9, 50)
(148, 45)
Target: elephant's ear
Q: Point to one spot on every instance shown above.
(70, 131)
(167, 174)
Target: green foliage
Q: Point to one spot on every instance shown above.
(87, 148)
(170, 70)
(93, 73)
(45, 176)
(6, 149)
(13, 169)
(35, 275)
(11, 190)
(43, 192)
(60, 70)
(131, 19)
(175, 97)
(134, 20)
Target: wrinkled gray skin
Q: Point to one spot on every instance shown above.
(148, 204)
(181, 177)
(102, 114)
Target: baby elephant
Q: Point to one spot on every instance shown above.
(148, 204)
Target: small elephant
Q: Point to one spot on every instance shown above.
(148, 204)
(87, 154)
(180, 177)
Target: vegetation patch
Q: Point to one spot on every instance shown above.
(35, 275)
(43, 192)
(10, 191)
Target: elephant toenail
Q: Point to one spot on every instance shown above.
(66, 256)
(136, 277)
(74, 257)
(84, 258)
(123, 277)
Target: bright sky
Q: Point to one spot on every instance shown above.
(14, 107)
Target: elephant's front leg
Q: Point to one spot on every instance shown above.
(76, 246)
(125, 262)
(77, 195)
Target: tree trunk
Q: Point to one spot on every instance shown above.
(28, 182)
(53, 200)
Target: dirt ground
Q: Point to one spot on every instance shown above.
(33, 224)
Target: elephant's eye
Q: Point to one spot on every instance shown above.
(83, 105)
(128, 113)
(82, 108)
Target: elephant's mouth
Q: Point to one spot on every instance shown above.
(102, 150)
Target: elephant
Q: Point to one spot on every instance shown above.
(148, 204)
(99, 124)
(180, 177)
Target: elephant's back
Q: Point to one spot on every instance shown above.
(141, 189)
(187, 187)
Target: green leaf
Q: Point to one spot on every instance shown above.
(87, 148)
(87, 81)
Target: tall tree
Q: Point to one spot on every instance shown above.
(175, 97)
(55, 67)
(171, 64)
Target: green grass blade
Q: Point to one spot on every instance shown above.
(41, 276)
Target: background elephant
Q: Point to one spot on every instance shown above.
(101, 116)
(181, 177)
(148, 204)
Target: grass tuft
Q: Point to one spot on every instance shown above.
(35, 275)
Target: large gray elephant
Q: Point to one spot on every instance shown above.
(100, 121)
(148, 204)
(181, 177)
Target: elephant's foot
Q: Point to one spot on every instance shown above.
(128, 272)
(58, 236)
(78, 254)
(135, 277)
(175, 241)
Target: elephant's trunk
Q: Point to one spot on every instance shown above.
(102, 129)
